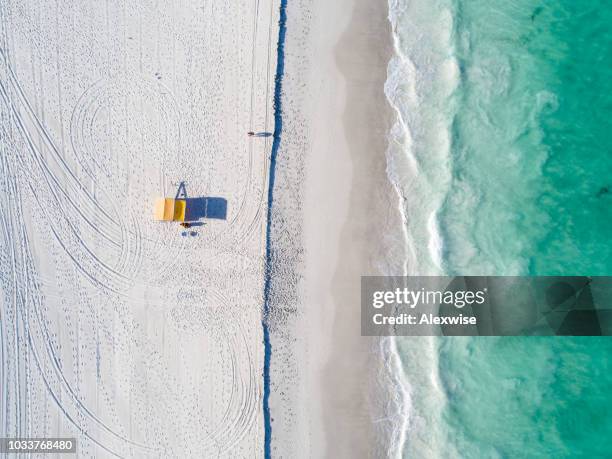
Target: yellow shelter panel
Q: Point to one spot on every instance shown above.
(160, 207)
(168, 210)
(180, 206)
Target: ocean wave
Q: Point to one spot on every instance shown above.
(505, 174)
(422, 76)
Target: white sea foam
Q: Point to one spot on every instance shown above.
(421, 78)
(435, 241)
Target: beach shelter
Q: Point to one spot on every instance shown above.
(170, 210)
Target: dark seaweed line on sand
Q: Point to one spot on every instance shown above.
(278, 127)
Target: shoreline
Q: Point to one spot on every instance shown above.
(335, 218)
(348, 199)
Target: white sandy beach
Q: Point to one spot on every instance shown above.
(140, 338)
(136, 337)
(362, 207)
(338, 119)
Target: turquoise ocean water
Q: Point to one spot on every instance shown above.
(505, 124)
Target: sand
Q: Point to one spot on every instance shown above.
(139, 338)
(354, 363)
(362, 211)
(336, 117)
(136, 337)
